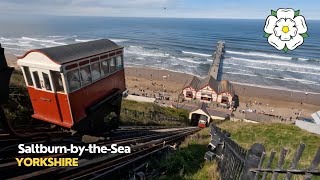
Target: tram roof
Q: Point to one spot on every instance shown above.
(68, 53)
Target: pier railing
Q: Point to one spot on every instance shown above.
(235, 162)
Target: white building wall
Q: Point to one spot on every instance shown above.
(199, 111)
(198, 95)
(214, 97)
(316, 117)
(207, 90)
(184, 93)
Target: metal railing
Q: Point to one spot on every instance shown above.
(235, 162)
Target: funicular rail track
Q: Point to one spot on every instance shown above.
(145, 143)
(8, 140)
(122, 132)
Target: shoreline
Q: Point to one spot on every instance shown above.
(250, 92)
(275, 88)
(233, 82)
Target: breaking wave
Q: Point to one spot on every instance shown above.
(275, 78)
(279, 63)
(119, 40)
(195, 53)
(140, 51)
(4, 39)
(43, 40)
(272, 56)
(190, 60)
(271, 87)
(271, 69)
(84, 40)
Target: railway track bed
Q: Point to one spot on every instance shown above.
(144, 142)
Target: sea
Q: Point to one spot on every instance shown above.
(182, 45)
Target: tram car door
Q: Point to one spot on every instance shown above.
(47, 95)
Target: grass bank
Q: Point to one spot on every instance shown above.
(140, 113)
(18, 110)
(274, 136)
(188, 163)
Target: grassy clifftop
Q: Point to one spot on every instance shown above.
(274, 136)
(139, 113)
(188, 162)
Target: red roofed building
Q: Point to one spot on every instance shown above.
(209, 90)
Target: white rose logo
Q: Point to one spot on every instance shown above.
(285, 29)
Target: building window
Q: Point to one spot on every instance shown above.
(36, 79)
(85, 75)
(46, 80)
(119, 62)
(206, 98)
(95, 70)
(113, 65)
(28, 76)
(224, 99)
(73, 80)
(57, 81)
(189, 94)
(105, 67)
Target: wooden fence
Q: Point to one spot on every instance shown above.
(235, 162)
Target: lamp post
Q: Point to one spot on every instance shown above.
(303, 100)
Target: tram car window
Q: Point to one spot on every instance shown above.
(85, 75)
(57, 81)
(119, 62)
(75, 85)
(36, 79)
(46, 80)
(73, 80)
(113, 65)
(96, 72)
(105, 67)
(28, 76)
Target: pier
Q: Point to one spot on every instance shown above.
(215, 67)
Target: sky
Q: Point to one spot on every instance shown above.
(230, 9)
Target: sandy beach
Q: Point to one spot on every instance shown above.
(281, 102)
(247, 91)
(12, 60)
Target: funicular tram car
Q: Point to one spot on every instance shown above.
(202, 124)
(76, 86)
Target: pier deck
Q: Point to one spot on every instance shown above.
(214, 70)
